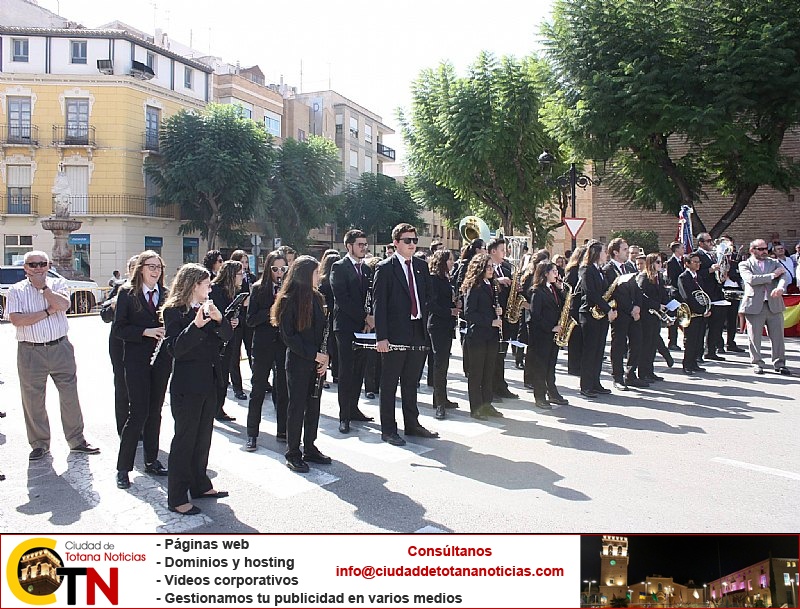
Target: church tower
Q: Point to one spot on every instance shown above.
(614, 567)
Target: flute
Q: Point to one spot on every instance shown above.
(391, 347)
(156, 350)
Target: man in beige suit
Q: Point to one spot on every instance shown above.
(764, 282)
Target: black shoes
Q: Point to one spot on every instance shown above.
(156, 468)
(699, 369)
(421, 432)
(37, 453)
(450, 404)
(223, 416)
(652, 379)
(587, 393)
(479, 415)
(758, 370)
(123, 481)
(214, 495)
(344, 426)
(674, 348)
(280, 436)
(735, 349)
(296, 464)
(506, 393)
(393, 438)
(315, 456)
(369, 395)
(85, 448)
(559, 400)
(491, 411)
(360, 416)
(543, 404)
(620, 386)
(250, 445)
(190, 512)
(714, 357)
(239, 394)
(636, 382)
(784, 371)
(440, 413)
(669, 359)
(600, 390)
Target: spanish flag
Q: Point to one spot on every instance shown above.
(791, 316)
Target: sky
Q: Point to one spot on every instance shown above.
(702, 558)
(367, 51)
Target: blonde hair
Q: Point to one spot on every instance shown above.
(182, 288)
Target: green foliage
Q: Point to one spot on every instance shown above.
(377, 203)
(214, 165)
(473, 143)
(303, 176)
(646, 239)
(618, 602)
(684, 95)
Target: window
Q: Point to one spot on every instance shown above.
(191, 249)
(19, 120)
(19, 189)
(368, 134)
(15, 248)
(354, 159)
(78, 54)
(151, 61)
(244, 111)
(20, 48)
(272, 122)
(339, 123)
(187, 78)
(81, 253)
(152, 123)
(77, 121)
(368, 164)
(354, 127)
(154, 243)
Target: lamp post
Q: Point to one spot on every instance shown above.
(571, 179)
(724, 593)
(705, 586)
(589, 591)
(794, 598)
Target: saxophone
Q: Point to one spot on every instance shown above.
(561, 338)
(596, 311)
(515, 300)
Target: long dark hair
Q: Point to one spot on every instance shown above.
(227, 277)
(472, 248)
(298, 291)
(182, 288)
(540, 274)
(325, 264)
(265, 281)
(210, 259)
(475, 271)
(592, 255)
(575, 258)
(437, 265)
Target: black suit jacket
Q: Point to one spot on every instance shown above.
(591, 286)
(349, 295)
(132, 317)
(479, 312)
(505, 291)
(303, 343)
(707, 277)
(626, 294)
(441, 301)
(392, 301)
(674, 269)
(196, 350)
(687, 285)
(545, 310)
(653, 294)
(258, 318)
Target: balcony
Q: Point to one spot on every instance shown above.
(19, 205)
(74, 134)
(386, 151)
(19, 135)
(117, 205)
(150, 140)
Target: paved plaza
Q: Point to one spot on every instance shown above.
(713, 453)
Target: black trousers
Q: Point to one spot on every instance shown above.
(188, 455)
(333, 350)
(672, 334)
(527, 373)
(441, 347)
(693, 335)
(500, 384)
(543, 356)
(575, 351)
(401, 367)
(626, 338)
(714, 326)
(594, 333)
(116, 350)
(147, 386)
(651, 328)
(303, 414)
(351, 374)
(267, 356)
(732, 321)
(482, 360)
(224, 364)
(235, 346)
(372, 372)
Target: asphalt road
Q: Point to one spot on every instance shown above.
(714, 453)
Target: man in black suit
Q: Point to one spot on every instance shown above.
(400, 293)
(626, 331)
(674, 269)
(733, 282)
(688, 285)
(712, 287)
(503, 276)
(351, 279)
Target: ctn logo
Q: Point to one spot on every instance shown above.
(35, 571)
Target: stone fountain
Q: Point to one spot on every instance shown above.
(61, 224)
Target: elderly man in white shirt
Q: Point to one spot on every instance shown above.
(37, 307)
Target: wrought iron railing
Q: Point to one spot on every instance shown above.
(386, 151)
(117, 205)
(74, 134)
(150, 140)
(19, 134)
(24, 205)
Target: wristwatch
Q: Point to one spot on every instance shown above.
(46, 287)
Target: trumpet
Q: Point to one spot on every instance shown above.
(662, 316)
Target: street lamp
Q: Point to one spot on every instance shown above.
(589, 591)
(571, 179)
(794, 598)
(705, 586)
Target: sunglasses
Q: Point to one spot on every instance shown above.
(153, 267)
(761, 249)
(37, 265)
(409, 240)
(278, 269)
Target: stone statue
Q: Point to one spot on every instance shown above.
(61, 195)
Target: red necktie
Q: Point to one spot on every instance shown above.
(358, 270)
(555, 294)
(150, 301)
(410, 273)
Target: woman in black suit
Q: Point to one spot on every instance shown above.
(268, 351)
(483, 334)
(547, 300)
(243, 334)
(441, 326)
(575, 346)
(299, 314)
(137, 324)
(325, 264)
(654, 296)
(223, 290)
(195, 332)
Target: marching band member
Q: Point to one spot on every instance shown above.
(711, 286)
(674, 268)
(298, 312)
(688, 285)
(401, 292)
(575, 346)
(138, 326)
(441, 326)
(503, 279)
(224, 288)
(325, 265)
(242, 333)
(483, 316)
(372, 367)
(591, 287)
(654, 296)
(195, 330)
(269, 352)
(733, 282)
(547, 301)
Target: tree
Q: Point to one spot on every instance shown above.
(684, 95)
(646, 239)
(479, 137)
(214, 165)
(377, 203)
(303, 176)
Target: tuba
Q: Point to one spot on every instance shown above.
(472, 227)
(565, 319)
(724, 249)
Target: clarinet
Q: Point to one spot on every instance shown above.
(374, 347)
(497, 304)
(156, 350)
(323, 348)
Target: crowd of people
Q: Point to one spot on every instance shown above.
(375, 322)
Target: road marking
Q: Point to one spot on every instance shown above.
(757, 468)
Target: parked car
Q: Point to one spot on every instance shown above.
(84, 295)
